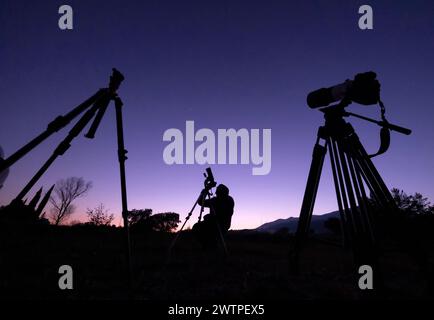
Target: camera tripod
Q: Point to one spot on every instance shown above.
(95, 108)
(352, 170)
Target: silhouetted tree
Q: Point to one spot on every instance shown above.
(65, 192)
(165, 222)
(412, 204)
(145, 220)
(139, 216)
(99, 216)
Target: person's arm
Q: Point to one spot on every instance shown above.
(202, 201)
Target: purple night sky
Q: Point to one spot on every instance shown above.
(223, 64)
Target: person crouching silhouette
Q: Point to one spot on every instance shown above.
(221, 209)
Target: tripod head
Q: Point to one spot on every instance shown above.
(116, 79)
(334, 121)
(338, 111)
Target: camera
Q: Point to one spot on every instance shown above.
(209, 182)
(364, 89)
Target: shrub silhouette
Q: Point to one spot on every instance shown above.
(99, 216)
(412, 204)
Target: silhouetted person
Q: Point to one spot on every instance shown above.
(221, 210)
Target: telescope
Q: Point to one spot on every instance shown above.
(209, 182)
(364, 89)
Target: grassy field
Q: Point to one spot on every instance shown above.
(256, 267)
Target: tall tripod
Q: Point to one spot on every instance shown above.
(95, 108)
(352, 171)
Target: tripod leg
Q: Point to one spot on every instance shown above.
(362, 199)
(54, 126)
(64, 145)
(340, 192)
(200, 199)
(202, 207)
(354, 211)
(319, 152)
(364, 246)
(371, 173)
(122, 157)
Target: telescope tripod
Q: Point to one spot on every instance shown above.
(352, 171)
(202, 197)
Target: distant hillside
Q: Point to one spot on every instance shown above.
(317, 223)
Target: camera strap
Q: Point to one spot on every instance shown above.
(384, 133)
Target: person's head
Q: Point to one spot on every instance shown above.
(222, 191)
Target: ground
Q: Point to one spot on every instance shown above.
(256, 268)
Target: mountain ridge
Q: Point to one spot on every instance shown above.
(317, 224)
